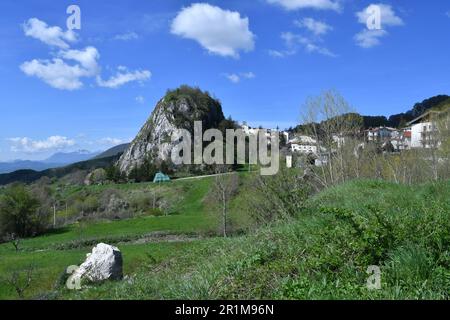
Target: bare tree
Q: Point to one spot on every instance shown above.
(224, 188)
(15, 241)
(329, 119)
(443, 126)
(437, 141)
(21, 280)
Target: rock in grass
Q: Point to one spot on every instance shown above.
(104, 263)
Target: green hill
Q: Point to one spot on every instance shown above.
(114, 151)
(28, 176)
(322, 253)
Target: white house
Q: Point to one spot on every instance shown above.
(303, 144)
(302, 139)
(301, 148)
(381, 134)
(423, 128)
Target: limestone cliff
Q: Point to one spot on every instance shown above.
(177, 110)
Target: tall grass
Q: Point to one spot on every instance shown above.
(321, 254)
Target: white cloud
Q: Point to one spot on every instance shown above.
(31, 146)
(111, 141)
(219, 31)
(277, 53)
(294, 41)
(448, 14)
(233, 78)
(317, 27)
(248, 75)
(123, 76)
(283, 53)
(61, 75)
(53, 36)
(304, 4)
(388, 16)
(66, 70)
(370, 38)
(314, 48)
(236, 78)
(87, 58)
(127, 36)
(56, 73)
(140, 99)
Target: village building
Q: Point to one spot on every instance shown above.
(424, 129)
(381, 134)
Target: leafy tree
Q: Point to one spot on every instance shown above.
(20, 214)
(144, 172)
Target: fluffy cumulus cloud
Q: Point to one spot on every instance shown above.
(53, 36)
(219, 31)
(124, 76)
(388, 16)
(32, 146)
(87, 58)
(69, 66)
(61, 75)
(316, 27)
(368, 38)
(304, 4)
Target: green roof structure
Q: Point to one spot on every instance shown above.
(161, 177)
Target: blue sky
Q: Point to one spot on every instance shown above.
(92, 88)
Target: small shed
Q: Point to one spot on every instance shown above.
(161, 177)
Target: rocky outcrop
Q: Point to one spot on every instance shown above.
(104, 263)
(177, 110)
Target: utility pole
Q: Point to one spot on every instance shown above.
(54, 215)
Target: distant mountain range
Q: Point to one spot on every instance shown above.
(59, 159)
(113, 151)
(102, 160)
(71, 157)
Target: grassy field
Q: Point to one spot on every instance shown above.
(51, 253)
(323, 253)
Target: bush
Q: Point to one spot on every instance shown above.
(155, 212)
(277, 197)
(20, 214)
(141, 201)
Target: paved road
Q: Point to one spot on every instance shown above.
(207, 176)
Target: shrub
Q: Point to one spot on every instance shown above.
(20, 214)
(277, 197)
(141, 201)
(154, 212)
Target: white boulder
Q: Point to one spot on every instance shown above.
(104, 263)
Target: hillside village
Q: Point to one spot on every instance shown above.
(420, 133)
